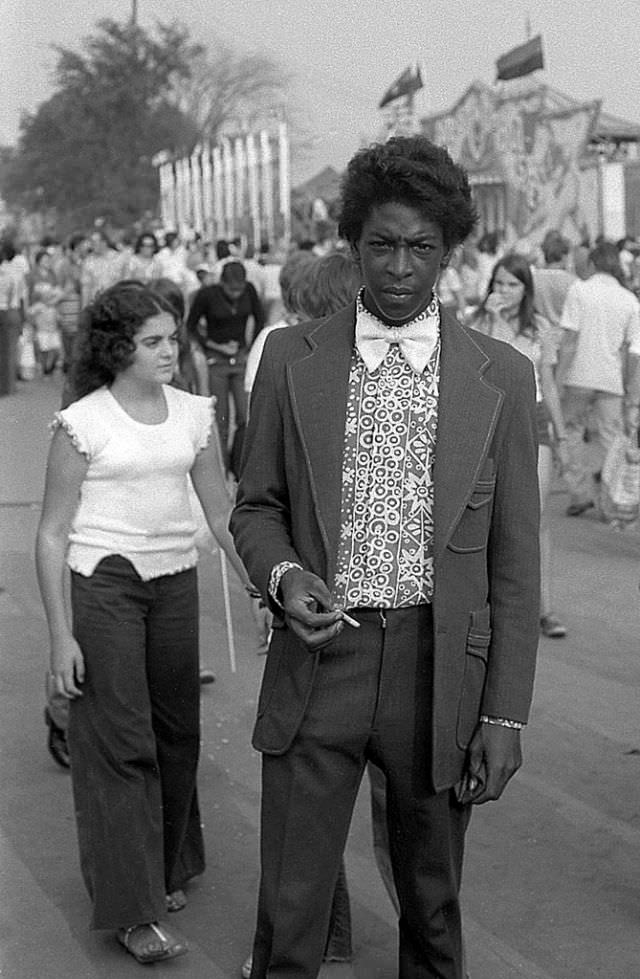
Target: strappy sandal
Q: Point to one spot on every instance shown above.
(176, 900)
(150, 943)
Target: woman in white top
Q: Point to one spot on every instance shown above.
(143, 265)
(116, 512)
(507, 313)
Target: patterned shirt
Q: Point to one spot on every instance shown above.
(385, 555)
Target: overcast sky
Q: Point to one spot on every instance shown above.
(342, 56)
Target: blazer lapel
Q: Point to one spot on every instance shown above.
(318, 386)
(467, 414)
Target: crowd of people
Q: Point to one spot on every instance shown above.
(303, 396)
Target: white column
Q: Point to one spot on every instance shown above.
(218, 201)
(196, 188)
(254, 194)
(241, 182)
(229, 189)
(267, 184)
(284, 181)
(207, 191)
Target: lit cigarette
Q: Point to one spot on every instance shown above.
(349, 620)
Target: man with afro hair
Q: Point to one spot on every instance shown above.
(388, 513)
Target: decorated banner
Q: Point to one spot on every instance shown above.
(526, 158)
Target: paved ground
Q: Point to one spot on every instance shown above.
(553, 871)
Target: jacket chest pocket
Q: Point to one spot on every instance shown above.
(473, 529)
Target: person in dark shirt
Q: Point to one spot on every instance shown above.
(225, 337)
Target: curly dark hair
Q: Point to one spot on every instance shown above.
(407, 170)
(108, 326)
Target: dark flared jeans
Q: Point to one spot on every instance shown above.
(134, 739)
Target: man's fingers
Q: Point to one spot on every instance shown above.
(315, 638)
(301, 611)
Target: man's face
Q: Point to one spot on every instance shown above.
(232, 290)
(401, 253)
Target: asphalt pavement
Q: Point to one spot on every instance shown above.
(552, 879)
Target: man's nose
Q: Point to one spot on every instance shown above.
(400, 261)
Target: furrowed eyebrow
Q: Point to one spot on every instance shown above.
(425, 239)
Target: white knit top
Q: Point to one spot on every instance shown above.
(134, 500)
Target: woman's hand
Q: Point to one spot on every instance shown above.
(67, 667)
(495, 304)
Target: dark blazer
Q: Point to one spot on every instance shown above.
(486, 515)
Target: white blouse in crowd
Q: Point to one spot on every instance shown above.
(135, 500)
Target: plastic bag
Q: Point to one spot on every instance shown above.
(620, 487)
(26, 356)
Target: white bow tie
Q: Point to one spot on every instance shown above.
(416, 340)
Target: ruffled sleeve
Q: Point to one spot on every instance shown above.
(205, 420)
(87, 423)
(79, 438)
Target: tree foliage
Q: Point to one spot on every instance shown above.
(87, 151)
(226, 88)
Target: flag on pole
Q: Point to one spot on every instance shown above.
(521, 60)
(409, 82)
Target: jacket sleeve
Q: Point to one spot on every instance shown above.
(261, 519)
(513, 558)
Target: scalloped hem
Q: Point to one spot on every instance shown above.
(60, 422)
(211, 398)
(85, 572)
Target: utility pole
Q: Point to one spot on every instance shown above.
(134, 12)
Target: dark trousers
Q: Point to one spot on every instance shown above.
(9, 332)
(370, 700)
(134, 739)
(226, 380)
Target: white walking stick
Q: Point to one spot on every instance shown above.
(227, 610)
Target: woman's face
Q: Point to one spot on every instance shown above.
(508, 290)
(156, 355)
